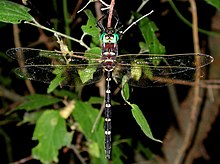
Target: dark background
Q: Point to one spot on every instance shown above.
(154, 102)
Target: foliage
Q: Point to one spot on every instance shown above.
(51, 133)
(214, 3)
(52, 129)
(11, 12)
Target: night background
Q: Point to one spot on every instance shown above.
(166, 109)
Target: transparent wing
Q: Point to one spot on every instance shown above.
(30, 56)
(41, 65)
(149, 70)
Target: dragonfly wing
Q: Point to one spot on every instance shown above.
(158, 70)
(42, 65)
(30, 56)
(72, 75)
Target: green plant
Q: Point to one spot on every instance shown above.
(61, 114)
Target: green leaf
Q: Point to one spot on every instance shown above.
(95, 100)
(99, 100)
(117, 146)
(57, 81)
(148, 29)
(145, 151)
(144, 47)
(136, 72)
(37, 101)
(31, 117)
(93, 53)
(142, 122)
(85, 115)
(64, 93)
(125, 88)
(86, 74)
(52, 135)
(90, 28)
(11, 12)
(116, 155)
(147, 71)
(215, 3)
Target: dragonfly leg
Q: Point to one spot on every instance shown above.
(100, 25)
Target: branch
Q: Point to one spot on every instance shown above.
(36, 24)
(134, 23)
(190, 130)
(138, 10)
(111, 9)
(211, 33)
(21, 62)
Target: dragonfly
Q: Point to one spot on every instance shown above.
(139, 70)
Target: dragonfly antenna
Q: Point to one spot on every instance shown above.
(134, 23)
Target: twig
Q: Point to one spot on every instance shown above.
(138, 10)
(98, 10)
(66, 21)
(134, 23)
(36, 24)
(211, 33)
(105, 4)
(21, 62)
(10, 95)
(77, 154)
(90, 1)
(7, 145)
(111, 9)
(85, 6)
(98, 117)
(194, 111)
(24, 160)
(73, 15)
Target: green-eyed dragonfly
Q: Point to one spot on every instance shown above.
(141, 70)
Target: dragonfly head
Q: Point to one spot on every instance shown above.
(109, 36)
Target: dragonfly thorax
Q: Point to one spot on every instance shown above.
(109, 40)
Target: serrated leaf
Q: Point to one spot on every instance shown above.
(86, 74)
(85, 115)
(142, 122)
(148, 29)
(215, 3)
(11, 12)
(93, 53)
(90, 28)
(37, 101)
(52, 135)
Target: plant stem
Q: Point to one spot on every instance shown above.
(36, 24)
(67, 21)
(210, 33)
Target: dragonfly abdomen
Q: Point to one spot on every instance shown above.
(108, 115)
